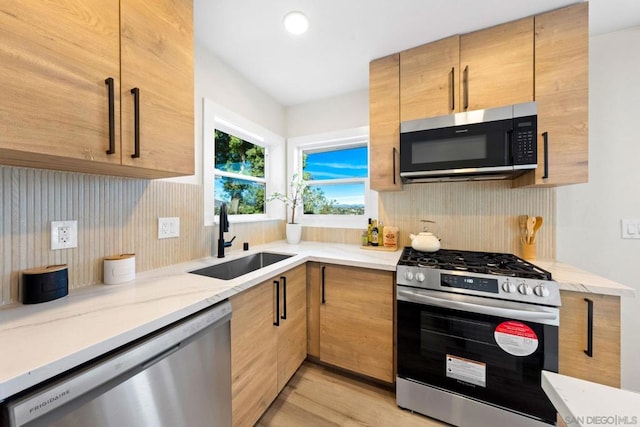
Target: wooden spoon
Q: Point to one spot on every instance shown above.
(531, 223)
(522, 222)
(536, 227)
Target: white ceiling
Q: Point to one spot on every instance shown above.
(344, 35)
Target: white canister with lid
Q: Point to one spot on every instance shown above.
(119, 269)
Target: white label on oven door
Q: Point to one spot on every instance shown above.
(516, 338)
(467, 370)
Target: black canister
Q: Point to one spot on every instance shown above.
(44, 284)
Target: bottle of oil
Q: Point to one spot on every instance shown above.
(374, 233)
(369, 232)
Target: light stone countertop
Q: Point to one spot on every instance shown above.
(583, 403)
(43, 340)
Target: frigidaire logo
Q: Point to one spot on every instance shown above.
(49, 401)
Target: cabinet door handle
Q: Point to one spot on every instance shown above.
(284, 297)
(589, 350)
(465, 87)
(136, 120)
(112, 116)
(322, 282)
(452, 89)
(277, 285)
(393, 162)
(545, 146)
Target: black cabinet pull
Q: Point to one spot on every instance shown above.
(465, 87)
(393, 162)
(545, 139)
(589, 350)
(323, 300)
(112, 116)
(136, 120)
(284, 297)
(277, 285)
(452, 90)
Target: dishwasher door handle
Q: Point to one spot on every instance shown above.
(103, 375)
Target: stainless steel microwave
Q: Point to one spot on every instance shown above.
(496, 143)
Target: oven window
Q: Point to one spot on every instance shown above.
(449, 150)
(457, 351)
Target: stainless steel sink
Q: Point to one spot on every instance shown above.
(237, 267)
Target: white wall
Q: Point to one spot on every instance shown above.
(223, 85)
(347, 111)
(588, 216)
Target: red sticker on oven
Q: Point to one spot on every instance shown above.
(516, 338)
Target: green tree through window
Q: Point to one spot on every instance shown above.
(236, 158)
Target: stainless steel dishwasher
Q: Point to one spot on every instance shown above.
(177, 376)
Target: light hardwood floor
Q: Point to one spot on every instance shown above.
(317, 396)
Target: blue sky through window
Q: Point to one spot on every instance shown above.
(340, 164)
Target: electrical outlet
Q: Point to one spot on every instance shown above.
(64, 234)
(630, 228)
(168, 227)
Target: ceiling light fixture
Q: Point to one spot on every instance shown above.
(296, 22)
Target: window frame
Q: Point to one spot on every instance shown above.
(343, 139)
(215, 118)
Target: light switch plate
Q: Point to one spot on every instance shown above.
(64, 234)
(168, 227)
(630, 228)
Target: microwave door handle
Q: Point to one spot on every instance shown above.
(475, 308)
(508, 145)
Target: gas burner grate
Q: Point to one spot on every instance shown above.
(474, 262)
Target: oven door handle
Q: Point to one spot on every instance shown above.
(533, 316)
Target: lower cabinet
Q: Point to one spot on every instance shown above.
(268, 342)
(350, 318)
(602, 329)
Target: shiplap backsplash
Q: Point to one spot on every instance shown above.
(115, 215)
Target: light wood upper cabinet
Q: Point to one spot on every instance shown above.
(496, 66)
(603, 366)
(384, 124)
(157, 58)
(562, 81)
(429, 82)
(56, 60)
(356, 320)
(268, 342)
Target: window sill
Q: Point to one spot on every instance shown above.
(247, 219)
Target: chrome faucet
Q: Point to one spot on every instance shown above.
(223, 227)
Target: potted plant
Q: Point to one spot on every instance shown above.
(292, 200)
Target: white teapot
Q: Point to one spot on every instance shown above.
(425, 241)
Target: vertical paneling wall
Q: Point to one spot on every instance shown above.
(479, 216)
(115, 215)
(469, 215)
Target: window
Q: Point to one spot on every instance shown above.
(239, 172)
(336, 181)
(242, 164)
(336, 168)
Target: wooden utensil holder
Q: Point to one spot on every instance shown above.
(528, 250)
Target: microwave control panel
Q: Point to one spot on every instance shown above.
(525, 147)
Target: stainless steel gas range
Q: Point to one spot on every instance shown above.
(475, 330)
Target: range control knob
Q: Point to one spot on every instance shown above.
(420, 277)
(541, 291)
(508, 287)
(408, 275)
(525, 289)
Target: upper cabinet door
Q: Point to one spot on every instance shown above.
(55, 61)
(496, 66)
(384, 124)
(429, 79)
(157, 60)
